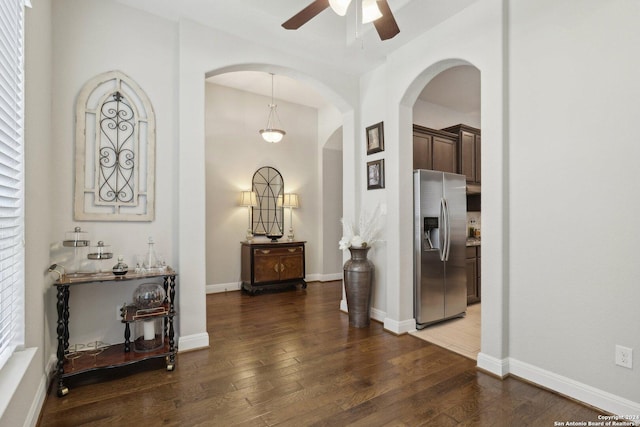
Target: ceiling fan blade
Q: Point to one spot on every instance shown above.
(387, 27)
(306, 14)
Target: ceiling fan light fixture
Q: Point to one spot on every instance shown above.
(340, 6)
(370, 11)
(270, 133)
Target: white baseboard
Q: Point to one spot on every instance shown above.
(235, 286)
(222, 287)
(597, 398)
(497, 367)
(399, 327)
(584, 393)
(378, 315)
(193, 342)
(323, 277)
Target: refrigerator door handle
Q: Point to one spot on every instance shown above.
(442, 238)
(448, 231)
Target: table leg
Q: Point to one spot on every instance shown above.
(172, 345)
(127, 338)
(63, 335)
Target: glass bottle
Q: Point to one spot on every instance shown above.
(151, 260)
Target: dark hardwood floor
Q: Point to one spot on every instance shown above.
(290, 359)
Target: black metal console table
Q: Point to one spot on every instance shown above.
(116, 355)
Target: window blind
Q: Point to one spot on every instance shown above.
(11, 177)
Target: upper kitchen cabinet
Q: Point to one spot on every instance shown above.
(434, 149)
(468, 151)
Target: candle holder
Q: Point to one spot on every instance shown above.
(148, 335)
(148, 299)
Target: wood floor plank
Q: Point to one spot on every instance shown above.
(291, 359)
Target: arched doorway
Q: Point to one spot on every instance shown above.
(495, 209)
(447, 113)
(309, 158)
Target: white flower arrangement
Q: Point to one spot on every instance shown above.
(367, 232)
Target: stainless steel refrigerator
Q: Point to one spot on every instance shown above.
(440, 222)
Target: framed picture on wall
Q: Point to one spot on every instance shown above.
(375, 174)
(375, 138)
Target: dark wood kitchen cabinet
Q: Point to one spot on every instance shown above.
(469, 147)
(473, 274)
(266, 265)
(434, 149)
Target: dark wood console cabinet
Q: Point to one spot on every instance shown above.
(91, 364)
(267, 265)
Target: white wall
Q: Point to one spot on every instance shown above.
(24, 402)
(234, 151)
(89, 38)
(331, 256)
(547, 313)
(573, 109)
(330, 137)
(436, 116)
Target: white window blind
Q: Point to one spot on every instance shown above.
(11, 177)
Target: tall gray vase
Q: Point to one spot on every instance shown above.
(358, 279)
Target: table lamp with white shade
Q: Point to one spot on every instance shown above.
(248, 199)
(290, 201)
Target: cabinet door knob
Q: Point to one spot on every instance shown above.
(275, 267)
(265, 251)
(281, 267)
(293, 249)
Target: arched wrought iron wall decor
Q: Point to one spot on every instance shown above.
(268, 217)
(115, 151)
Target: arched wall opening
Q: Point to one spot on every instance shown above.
(449, 99)
(494, 308)
(199, 59)
(235, 108)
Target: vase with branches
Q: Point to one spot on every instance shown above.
(358, 270)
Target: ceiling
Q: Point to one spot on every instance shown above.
(328, 38)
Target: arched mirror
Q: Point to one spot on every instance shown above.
(268, 214)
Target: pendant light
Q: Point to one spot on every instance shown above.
(270, 133)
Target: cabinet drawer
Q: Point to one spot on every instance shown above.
(278, 251)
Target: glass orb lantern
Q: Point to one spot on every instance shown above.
(148, 295)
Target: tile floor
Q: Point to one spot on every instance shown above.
(461, 335)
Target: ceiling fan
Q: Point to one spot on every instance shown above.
(376, 11)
